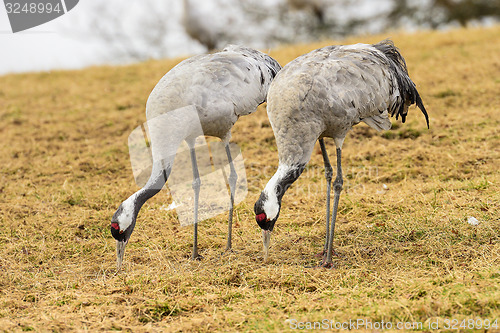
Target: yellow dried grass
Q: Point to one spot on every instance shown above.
(408, 253)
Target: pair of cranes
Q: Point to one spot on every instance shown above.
(320, 94)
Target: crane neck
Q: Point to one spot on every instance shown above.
(155, 183)
(278, 185)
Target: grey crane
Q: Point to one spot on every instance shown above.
(217, 88)
(324, 94)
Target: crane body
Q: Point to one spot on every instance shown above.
(211, 90)
(324, 94)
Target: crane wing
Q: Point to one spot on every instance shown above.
(379, 122)
(232, 82)
(350, 81)
(367, 82)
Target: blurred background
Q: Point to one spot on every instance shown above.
(117, 32)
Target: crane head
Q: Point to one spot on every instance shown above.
(122, 225)
(264, 222)
(267, 208)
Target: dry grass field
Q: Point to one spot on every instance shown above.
(408, 253)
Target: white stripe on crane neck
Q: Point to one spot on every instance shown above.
(126, 217)
(271, 205)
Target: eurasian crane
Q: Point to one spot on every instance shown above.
(323, 94)
(217, 88)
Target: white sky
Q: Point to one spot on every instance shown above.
(55, 45)
(43, 47)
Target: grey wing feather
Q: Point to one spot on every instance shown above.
(360, 88)
(369, 82)
(379, 122)
(229, 81)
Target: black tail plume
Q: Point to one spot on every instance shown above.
(407, 88)
(421, 106)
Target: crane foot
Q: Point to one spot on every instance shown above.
(322, 254)
(228, 251)
(196, 257)
(326, 265)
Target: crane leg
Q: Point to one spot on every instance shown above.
(337, 188)
(233, 177)
(328, 176)
(196, 187)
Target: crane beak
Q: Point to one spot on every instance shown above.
(120, 251)
(266, 239)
